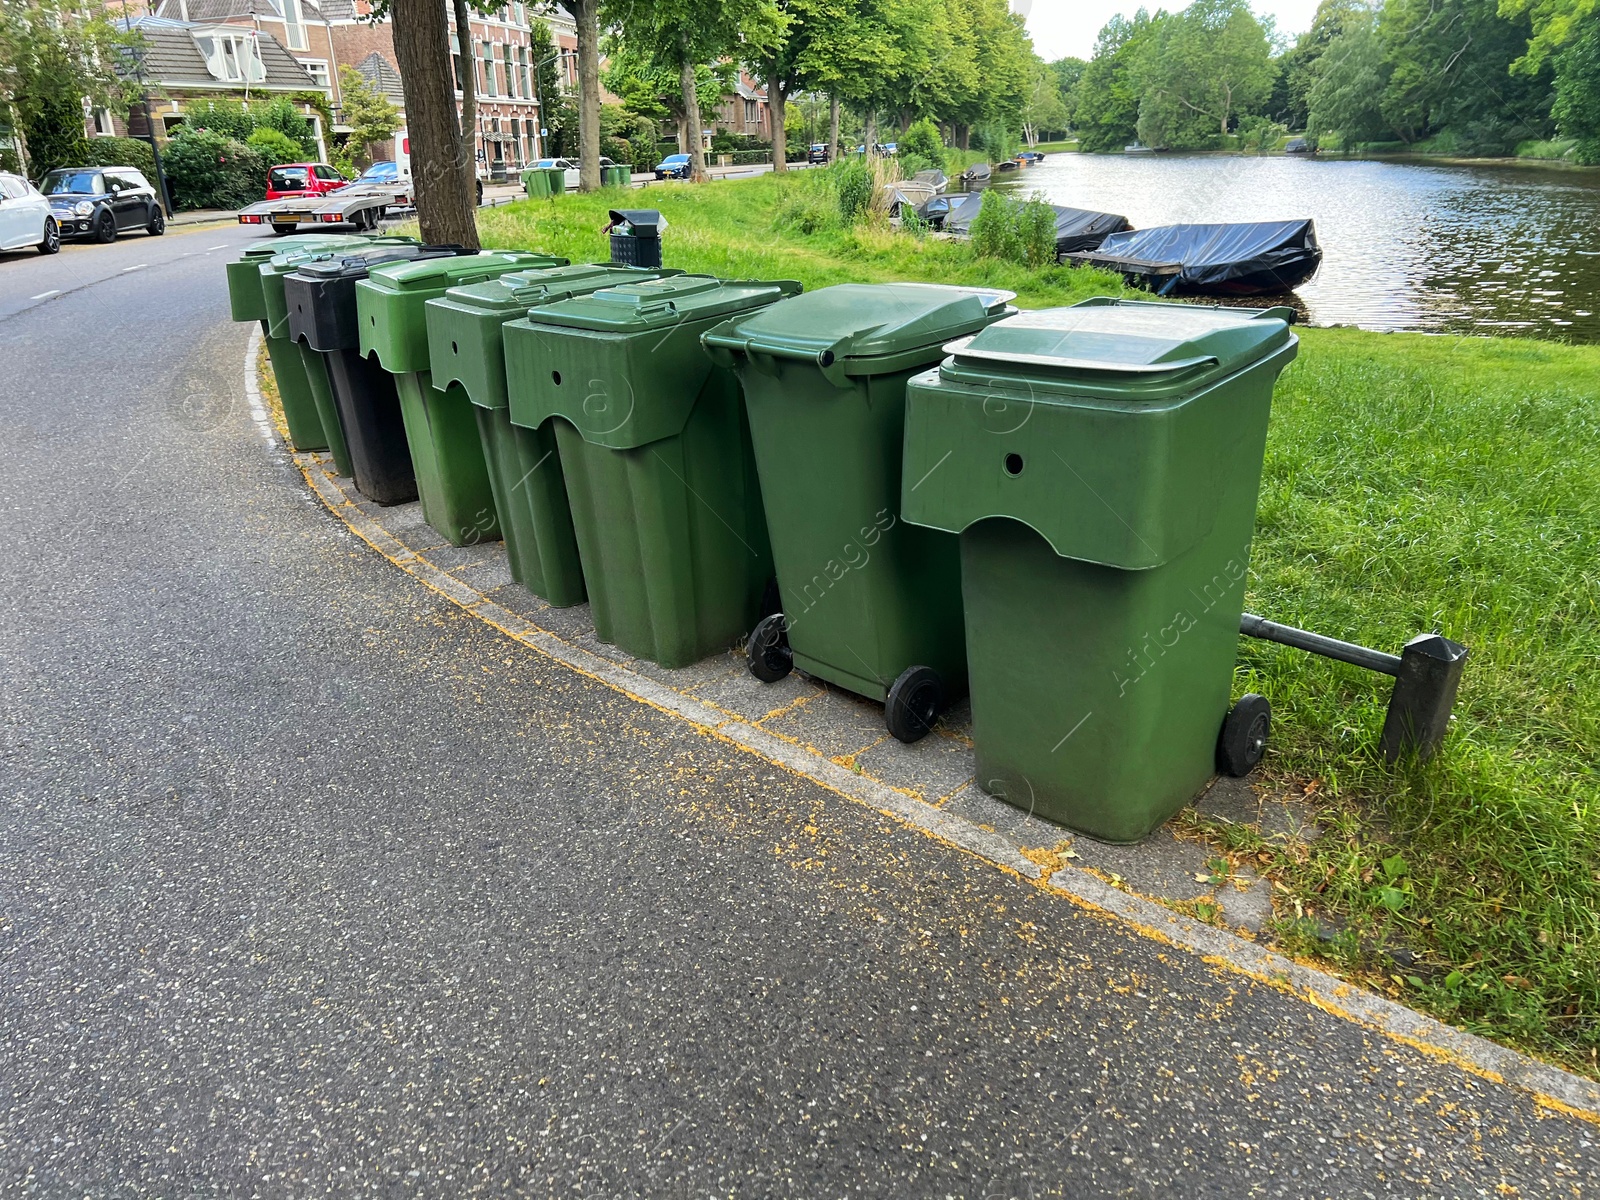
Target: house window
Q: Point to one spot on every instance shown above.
(232, 57)
(749, 112)
(317, 68)
(513, 74)
(294, 25)
(489, 88)
(102, 123)
(455, 61)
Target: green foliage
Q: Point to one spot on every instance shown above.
(281, 116)
(226, 116)
(121, 152)
(922, 139)
(1258, 135)
(274, 147)
(1108, 94)
(1015, 231)
(995, 139)
(54, 54)
(1201, 69)
(1577, 106)
(369, 114)
(1345, 97)
(853, 184)
(208, 170)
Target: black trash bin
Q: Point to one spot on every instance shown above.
(321, 299)
(636, 236)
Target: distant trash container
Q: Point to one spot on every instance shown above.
(536, 182)
(636, 236)
(616, 176)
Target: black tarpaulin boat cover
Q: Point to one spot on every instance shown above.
(1216, 254)
(1077, 229)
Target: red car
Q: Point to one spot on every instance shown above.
(303, 179)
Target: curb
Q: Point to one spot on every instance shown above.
(1547, 1086)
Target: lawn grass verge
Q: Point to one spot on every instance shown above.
(1411, 484)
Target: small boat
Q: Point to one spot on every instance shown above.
(1263, 258)
(935, 210)
(1077, 229)
(907, 193)
(934, 177)
(1030, 158)
(1136, 148)
(976, 175)
(1008, 165)
(1299, 146)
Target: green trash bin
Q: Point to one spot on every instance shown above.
(655, 449)
(616, 176)
(869, 603)
(466, 348)
(248, 302)
(536, 182)
(558, 180)
(441, 431)
(1101, 465)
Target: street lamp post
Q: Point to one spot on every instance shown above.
(540, 132)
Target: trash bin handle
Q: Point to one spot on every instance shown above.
(1086, 364)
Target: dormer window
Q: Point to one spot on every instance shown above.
(232, 57)
(294, 24)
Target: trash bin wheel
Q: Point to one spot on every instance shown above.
(770, 656)
(1244, 735)
(914, 703)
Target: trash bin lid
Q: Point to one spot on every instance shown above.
(515, 292)
(356, 263)
(655, 303)
(865, 328)
(640, 222)
(435, 274)
(309, 241)
(1136, 348)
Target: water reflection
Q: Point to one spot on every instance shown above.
(1508, 250)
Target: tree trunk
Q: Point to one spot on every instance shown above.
(469, 100)
(871, 138)
(586, 13)
(422, 52)
(777, 101)
(833, 127)
(691, 111)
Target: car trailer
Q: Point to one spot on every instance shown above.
(360, 206)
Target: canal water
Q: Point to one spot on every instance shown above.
(1446, 249)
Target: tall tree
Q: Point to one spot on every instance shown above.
(1204, 66)
(586, 16)
(1577, 107)
(648, 89)
(783, 63)
(367, 111)
(467, 77)
(1350, 81)
(685, 34)
(1108, 94)
(54, 55)
(441, 162)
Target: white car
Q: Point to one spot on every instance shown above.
(25, 217)
(569, 167)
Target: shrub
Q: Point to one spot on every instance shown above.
(121, 152)
(1015, 231)
(274, 147)
(995, 140)
(910, 164)
(283, 117)
(854, 185)
(207, 170)
(923, 141)
(228, 117)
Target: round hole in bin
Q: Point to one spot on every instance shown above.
(1013, 464)
(555, 377)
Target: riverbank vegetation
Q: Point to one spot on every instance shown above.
(1411, 484)
(1469, 78)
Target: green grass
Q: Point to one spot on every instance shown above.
(1057, 147)
(1411, 484)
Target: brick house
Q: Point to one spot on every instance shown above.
(191, 60)
(744, 112)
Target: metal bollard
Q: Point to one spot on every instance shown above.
(1427, 672)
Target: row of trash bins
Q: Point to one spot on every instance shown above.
(1050, 510)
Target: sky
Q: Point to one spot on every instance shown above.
(1063, 27)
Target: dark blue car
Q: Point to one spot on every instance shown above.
(673, 166)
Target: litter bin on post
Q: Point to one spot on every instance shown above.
(636, 236)
(655, 448)
(1101, 465)
(321, 299)
(441, 431)
(869, 603)
(466, 347)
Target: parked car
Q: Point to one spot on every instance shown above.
(288, 180)
(101, 202)
(818, 152)
(387, 171)
(673, 166)
(25, 217)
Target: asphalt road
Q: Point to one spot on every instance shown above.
(311, 884)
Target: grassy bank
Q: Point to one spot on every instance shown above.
(1412, 483)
